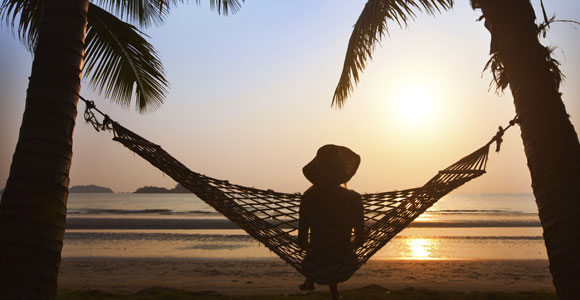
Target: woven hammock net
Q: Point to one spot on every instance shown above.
(272, 217)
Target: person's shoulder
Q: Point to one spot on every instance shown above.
(309, 193)
(352, 194)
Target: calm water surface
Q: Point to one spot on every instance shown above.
(460, 226)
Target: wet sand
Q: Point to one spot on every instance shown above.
(272, 276)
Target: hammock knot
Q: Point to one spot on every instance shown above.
(514, 121)
(90, 117)
(498, 138)
(107, 123)
(90, 104)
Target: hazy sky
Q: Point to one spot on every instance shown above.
(250, 99)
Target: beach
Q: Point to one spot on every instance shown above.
(273, 276)
(125, 243)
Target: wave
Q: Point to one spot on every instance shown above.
(137, 223)
(216, 239)
(475, 224)
(499, 237)
(121, 212)
(478, 211)
(139, 236)
(91, 211)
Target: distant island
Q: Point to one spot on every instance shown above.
(89, 189)
(151, 189)
(178, 189)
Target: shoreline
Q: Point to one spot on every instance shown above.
(273, 276)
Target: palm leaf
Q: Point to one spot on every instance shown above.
(139, 12)
(25, 16)
(120, 61)
(224, 6)
(147, 12)
(369, 29)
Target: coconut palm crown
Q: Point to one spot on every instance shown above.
(68, 38)
(368, 31)
(520, 61)
(119, 61)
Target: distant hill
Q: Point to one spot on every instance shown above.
(89, 189)
(178, 189)
(151, 189)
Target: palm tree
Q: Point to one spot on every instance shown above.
(522, 63)
(121, 64)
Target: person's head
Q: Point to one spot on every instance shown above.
(332, 165)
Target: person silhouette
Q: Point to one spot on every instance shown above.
(330, 212)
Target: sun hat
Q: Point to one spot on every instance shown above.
(332, 164)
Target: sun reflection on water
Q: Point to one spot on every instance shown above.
(420, 248)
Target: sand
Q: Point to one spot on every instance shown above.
(272, 276)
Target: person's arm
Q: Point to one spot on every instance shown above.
(303, 225)
(359, 225)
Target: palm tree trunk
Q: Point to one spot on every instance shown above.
(33, 206)
(550, 142)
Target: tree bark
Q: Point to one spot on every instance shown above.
(550, 142)
(33, 206)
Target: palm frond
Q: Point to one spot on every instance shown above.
(369, 29)
(25, 16)
(139, 12)
(120, 61)
(500, 79)
(224, 6)
(118, 58)
(148, 12)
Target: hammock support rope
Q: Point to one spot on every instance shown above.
(272, 217)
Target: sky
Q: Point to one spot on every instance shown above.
(250, 99)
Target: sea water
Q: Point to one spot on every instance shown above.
(459, 226)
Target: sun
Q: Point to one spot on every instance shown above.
(415, 105)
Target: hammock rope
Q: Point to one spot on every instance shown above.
(272, 217)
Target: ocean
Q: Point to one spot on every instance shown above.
(459, 226)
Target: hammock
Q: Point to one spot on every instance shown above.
(272, 217)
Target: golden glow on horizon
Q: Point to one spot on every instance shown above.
(424, 217)
(416, 105)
